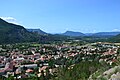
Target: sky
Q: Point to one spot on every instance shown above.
(58, 16)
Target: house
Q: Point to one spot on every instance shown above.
(29, 66)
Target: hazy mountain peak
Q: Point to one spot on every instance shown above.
(72, 33)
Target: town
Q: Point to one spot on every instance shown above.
(45, 61)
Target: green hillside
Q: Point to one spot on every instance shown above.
(11, 33)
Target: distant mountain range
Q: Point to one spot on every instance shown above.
(77, 34)
(12, 33)
(99, 34)
(93, 37)
(105, 34)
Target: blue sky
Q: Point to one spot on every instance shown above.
(57, 16)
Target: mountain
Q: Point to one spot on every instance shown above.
(72, 33)
(12, 33)
(99, 34)
(39, 31)
(89, 34)
(105, 34)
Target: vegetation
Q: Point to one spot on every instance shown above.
(80, 71)
(83, 64)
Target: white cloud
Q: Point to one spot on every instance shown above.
(10, 20)
(116, 30)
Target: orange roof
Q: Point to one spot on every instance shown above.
(29, 70)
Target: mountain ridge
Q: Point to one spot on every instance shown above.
(12, 33)
(106, 34)
(39, 31)
(73, 33)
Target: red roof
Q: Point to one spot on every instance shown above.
(29, 70)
